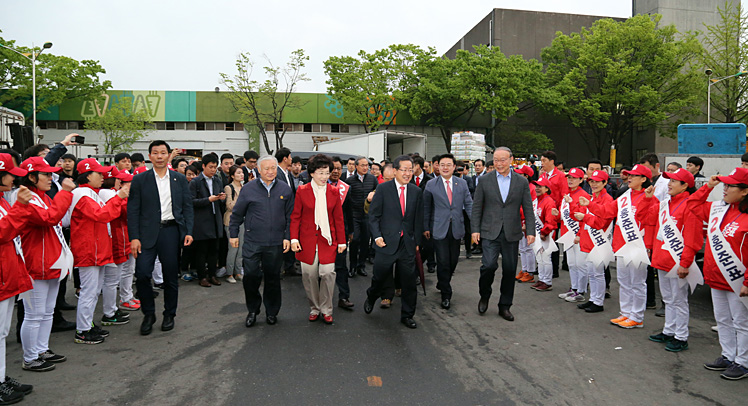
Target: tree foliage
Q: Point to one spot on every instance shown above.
(262, 102)
(58, 79)
(373, 87)
(726, 53)
(523, 143)
(617, 76)
(120, 126)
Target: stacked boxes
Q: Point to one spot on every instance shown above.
(468, 146)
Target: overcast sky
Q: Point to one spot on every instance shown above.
(183, 45)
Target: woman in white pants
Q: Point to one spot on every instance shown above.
(569, 237)
(48, 260)
(91, 243)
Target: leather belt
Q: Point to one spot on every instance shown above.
(168, 223)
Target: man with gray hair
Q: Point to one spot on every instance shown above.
(496, 220)
(264, 206)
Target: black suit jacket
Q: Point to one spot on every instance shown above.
(282, 177)
(208, 225)
(426, 179)
(387, 221)
(144, 207)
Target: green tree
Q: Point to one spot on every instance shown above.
(726, 53)
(265, 102)
(523, 143)
(120, 126)
(617, 76)
(373, 87)
(58, 79)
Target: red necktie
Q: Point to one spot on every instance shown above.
(449, 192)
(418, 181)
(402, 199)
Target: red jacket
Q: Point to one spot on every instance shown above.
(304, 229)
(698, 213)
(41, 245)
(575, 195)
(120, 241)
(599, 223)
(550, 222)
(560, 186)
(89, 237)
(609, 211)
(14, 279)
(661, 258)
(533, 196)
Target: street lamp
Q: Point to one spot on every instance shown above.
(708, 73)
(32, 58)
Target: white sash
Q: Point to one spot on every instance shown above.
(633, 251)
(728, 262)
(65, 261)
(572, 227)
(78, 194)
(541, 247)
(673, 243)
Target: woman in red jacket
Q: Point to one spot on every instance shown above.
(568, 236)
(727, 229)
(526, 256)
(545, 224)
(594, 241)
(114, 273)
(14, 279)
(48, 260)
(318, 235)
(629, 245)
(91, 243)
(668, 220)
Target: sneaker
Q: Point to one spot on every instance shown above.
(88, 337)
(100, 331)
(536, 284)
(735, 372)
(38, 365)
(567, 293)
(661, 338)
(230, 279)
(715, 329)
(628, 323)
(221, 272)
(576, 298)
(18, 386)
(385, 304)
(719, 364)
(652, 305)
(544, 287)
(593, 308)
(9, 395)
(619, 319)
(527, 278)
(676, 345)
(50, 356)
(159, 286)
(114, 320)
(130, 305)
(607, 294)
(239, 277)
(398, 292)
(187, 277)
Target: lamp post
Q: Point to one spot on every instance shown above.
(708, 73)
(32, 58)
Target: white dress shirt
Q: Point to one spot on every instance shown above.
(405, 191)
(164, 195)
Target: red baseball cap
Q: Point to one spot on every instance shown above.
(125, 176)
(139, 169)
(38, 164)
(640, 170)
(544, 182)
(576, 173)
(92, 165)
(599, 176)
(524, 170)
(737, 176)
(7, 165)
(681, 175)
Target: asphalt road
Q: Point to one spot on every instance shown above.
(553, 354)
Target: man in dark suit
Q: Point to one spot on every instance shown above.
(250, 166)
(341, 268)
(420, 179)
(496, 220)
(159, 222)
(208, 201)
(472, 182)
(397, 237)
(350, 169)
(283, 156)
(362, 183)
(445, 199)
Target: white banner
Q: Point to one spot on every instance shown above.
(633, 251)
(729, 264)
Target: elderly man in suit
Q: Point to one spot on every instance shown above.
(396, 237)
(159, 222)
(208, 200)
(445, 198)
(496, 220)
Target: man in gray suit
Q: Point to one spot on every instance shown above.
(445, 198)
(496, 219)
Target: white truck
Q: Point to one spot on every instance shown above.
(713, 165)
(379, 145)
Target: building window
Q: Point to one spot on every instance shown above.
(343, 128)
(161, 126)
(210, 126)
(334, 128)
(238, 127)
(72, 125)
(191, 126)
(229, 126)
(170, 126)
(307, 128)
(200, 126)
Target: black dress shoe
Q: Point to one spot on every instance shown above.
(445, 304)
(147, 326)
(168, 323)
(271, 320)
(63, 325)
(66, 306)
(251, 319)
(468, 255)
(351, 273)
(345, 304)
(362, 272)
(594, 309)
(584, 305)
(214, 281)
(409, 323)
(368, 306)
(506, 314)
(482, 306)
(432, 269)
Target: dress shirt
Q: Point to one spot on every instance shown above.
(164, 195)
(404, 191)
(504, 183)
(289, 181)
(209, 181)
(420, 179)
(448, 182)
(268, 187)
(478, 175)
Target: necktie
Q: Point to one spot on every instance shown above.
(402, 199)
(418, 181)
(449, 192)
